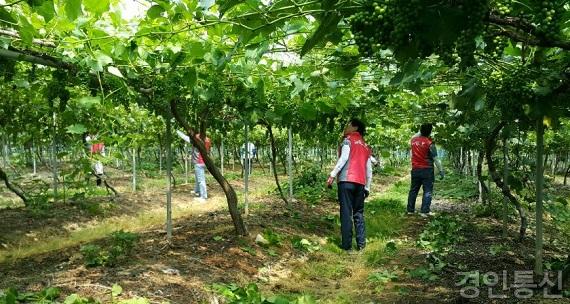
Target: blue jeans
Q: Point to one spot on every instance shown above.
(351, 198)
(200, 186)
(425, 178)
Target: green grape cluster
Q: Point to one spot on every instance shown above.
(475, 13)
(7, 69)
(372, 27)
(407, 13)
(57, 89)
(503, 8)
(495, 46)
(509, 91)
(548, 13)
(402, 25)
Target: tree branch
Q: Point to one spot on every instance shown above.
(528, 34)
(490, 145)
(36, 58)
(519, 23)
(14, 34)
(229, 191)
(13, 188)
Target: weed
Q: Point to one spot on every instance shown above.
(441, 234)
(332, 219)
(248, 250)
(250, 294)
(272, 237)
(309, 186)
(458, 187)
(272, 252)
(488, 210)
(424, 273)
(121, 245)
(304, 244)
(438, 238)
(47, 295)
(51, 294)
(403, 291)
(382, 277)
(497, 249)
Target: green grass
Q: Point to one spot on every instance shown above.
(325, 269)
(139, 222)
(456, 186)
(384, 219)
(384, 216)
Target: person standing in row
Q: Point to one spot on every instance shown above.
(353, 172)
(247, 162)
(97, 151)
(200, 187)
(424, 156)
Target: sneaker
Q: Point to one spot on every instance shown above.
(354, 252)
(410, 213)
(426, 214)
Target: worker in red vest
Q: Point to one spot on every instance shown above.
(200, 187)
(353, 172)
(97, 148)
(424, 156)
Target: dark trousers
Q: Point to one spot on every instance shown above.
(351, 198)
(421, 178)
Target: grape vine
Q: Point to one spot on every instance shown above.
(450, 29)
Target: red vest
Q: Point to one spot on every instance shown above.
(197, 155)
(421, 157)
(97, 148)
(355, 168)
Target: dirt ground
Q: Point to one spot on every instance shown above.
(204, 250)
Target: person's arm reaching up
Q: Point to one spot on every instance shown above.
(184, 137)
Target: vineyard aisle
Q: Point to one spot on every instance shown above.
(92, 205)
(409, 259)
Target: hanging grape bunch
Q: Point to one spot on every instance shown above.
(56, 89)
(475, 12)
(503, 8)
(495, 45)
(547, 17)
(379, 25)
(510, 90)
(370, 28)
(544, 15)
(409, 26)
(7, 69)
